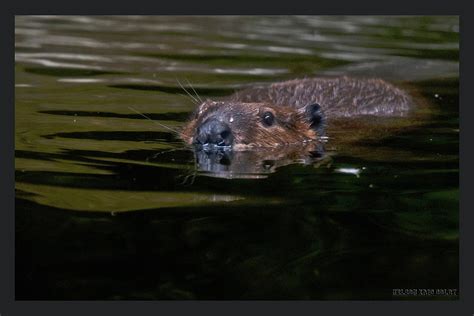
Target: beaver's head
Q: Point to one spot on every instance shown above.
(240, 125)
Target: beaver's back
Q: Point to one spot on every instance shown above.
(338, 97)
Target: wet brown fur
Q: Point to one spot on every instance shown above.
(340, 99)
(245, 119)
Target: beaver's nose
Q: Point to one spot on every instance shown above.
(214, 132)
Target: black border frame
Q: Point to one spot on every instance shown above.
(8, 305)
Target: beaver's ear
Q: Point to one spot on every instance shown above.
(316, 118)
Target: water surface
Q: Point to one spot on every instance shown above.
(110, 205)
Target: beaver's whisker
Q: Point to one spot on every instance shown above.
(157, 123)
(164, 152)
(192, 97)
(192, 100)
(191, 175)
(197, 95)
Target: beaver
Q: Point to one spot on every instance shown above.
(292, 112)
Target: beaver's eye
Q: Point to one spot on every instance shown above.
(268, 118)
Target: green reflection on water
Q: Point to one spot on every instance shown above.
(109, 205)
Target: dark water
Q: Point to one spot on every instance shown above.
(110, 205)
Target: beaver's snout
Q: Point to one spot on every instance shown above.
(214, 132)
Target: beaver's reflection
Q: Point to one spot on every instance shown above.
(257, 163)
